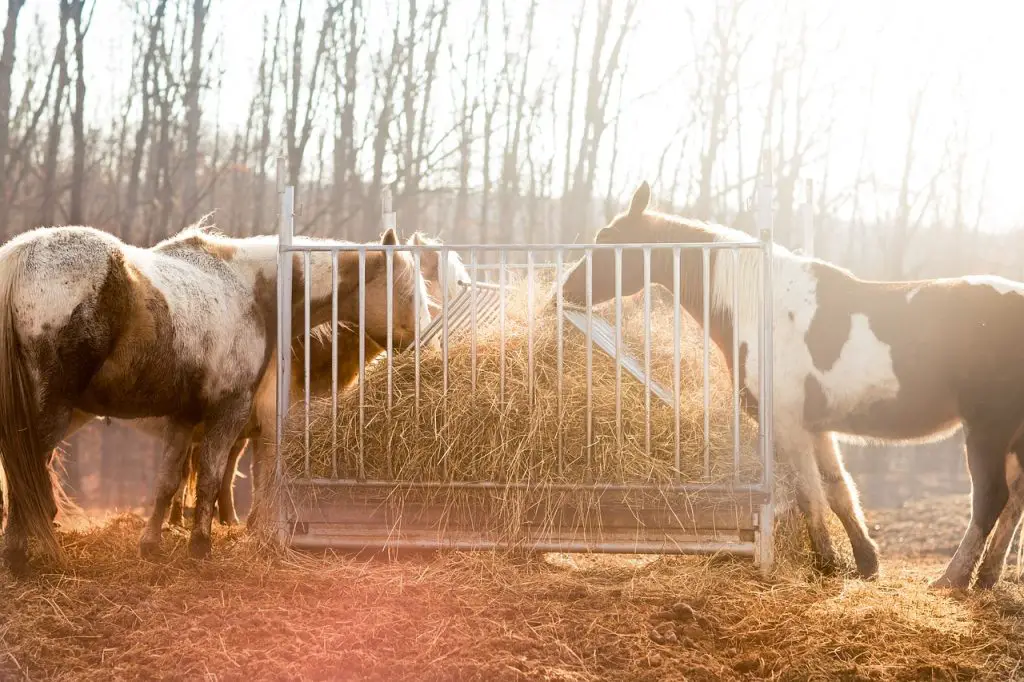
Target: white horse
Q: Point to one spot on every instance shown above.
(262, 427)
(184, 330)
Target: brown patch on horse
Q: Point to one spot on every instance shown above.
(138, 320)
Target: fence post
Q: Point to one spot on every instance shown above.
(807, 218)
(765, 542)
(388, 216)
(286, 231)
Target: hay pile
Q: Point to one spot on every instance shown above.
(481, 434)
(252, 615)
(464, 434)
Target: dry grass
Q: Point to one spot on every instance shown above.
(253, 614)
(455, 431)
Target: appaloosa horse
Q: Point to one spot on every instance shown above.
(892, 361)
(261, 429)
(92, 326)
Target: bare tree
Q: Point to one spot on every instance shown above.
(193, 114)
(6, 71)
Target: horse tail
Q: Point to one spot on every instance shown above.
(30, 487)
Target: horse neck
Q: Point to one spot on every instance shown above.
(723, 317)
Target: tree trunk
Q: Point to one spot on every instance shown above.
(6, 70)
(76, 213)
(190, 198)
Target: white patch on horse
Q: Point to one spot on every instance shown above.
(1000, 284)
(863, 374)
(795, 293)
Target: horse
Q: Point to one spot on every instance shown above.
(898, 361)
(261, 429)
(183, 330)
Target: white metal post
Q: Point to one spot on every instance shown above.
(807, 218)
(389, 217)
(765, 553)
(286, 231)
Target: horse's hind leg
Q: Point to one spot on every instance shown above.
(223, 428)
(842, 497)
(226, 497)
(986, 460)
(994, 558)
(169, 476)
(810, 497)
(177, 515)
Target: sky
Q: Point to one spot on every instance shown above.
(969, 53)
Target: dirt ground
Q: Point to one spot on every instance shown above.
(250, 614)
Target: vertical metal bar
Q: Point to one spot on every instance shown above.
(360, 472)
(590, 358)
(529, 325)
(502, 277)
(808, 219)
(307, 276)
(618, 347)
(558, 331)
(737, 325)
(766, 549)
(442, 266)
(416, 329)
(677, 355)
(473, 297)
(389, 258)
(706, 257)
(334, 365)
(284, 329)
(647, 351)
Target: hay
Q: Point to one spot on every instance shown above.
(253, 615)
(462, 432)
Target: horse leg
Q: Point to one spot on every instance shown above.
(842, 497)
(992, 562)
(810, 498)
(176, 445)
(223, 428)
(226, 498)
(986, 461)
(177, 516)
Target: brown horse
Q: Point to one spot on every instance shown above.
(892, 361)
(182, 330)
(261, 428)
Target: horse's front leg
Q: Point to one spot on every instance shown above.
(842, 497)
(987, 448)
(994, 558)
(169, 476)
(177, 517)
(799, 446)
(223, 428)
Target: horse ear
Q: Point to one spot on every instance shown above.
(390, 238)
(415, 239)
(641, 198)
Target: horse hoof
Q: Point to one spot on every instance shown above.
(986, 581)
(149, 549)
(17, 562)
(199, 547)
(947, 583)
(828, 566)
(868, 569)
(228, 521)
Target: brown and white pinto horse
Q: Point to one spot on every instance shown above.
(90, 325)
(892, 361)
(261, 429)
